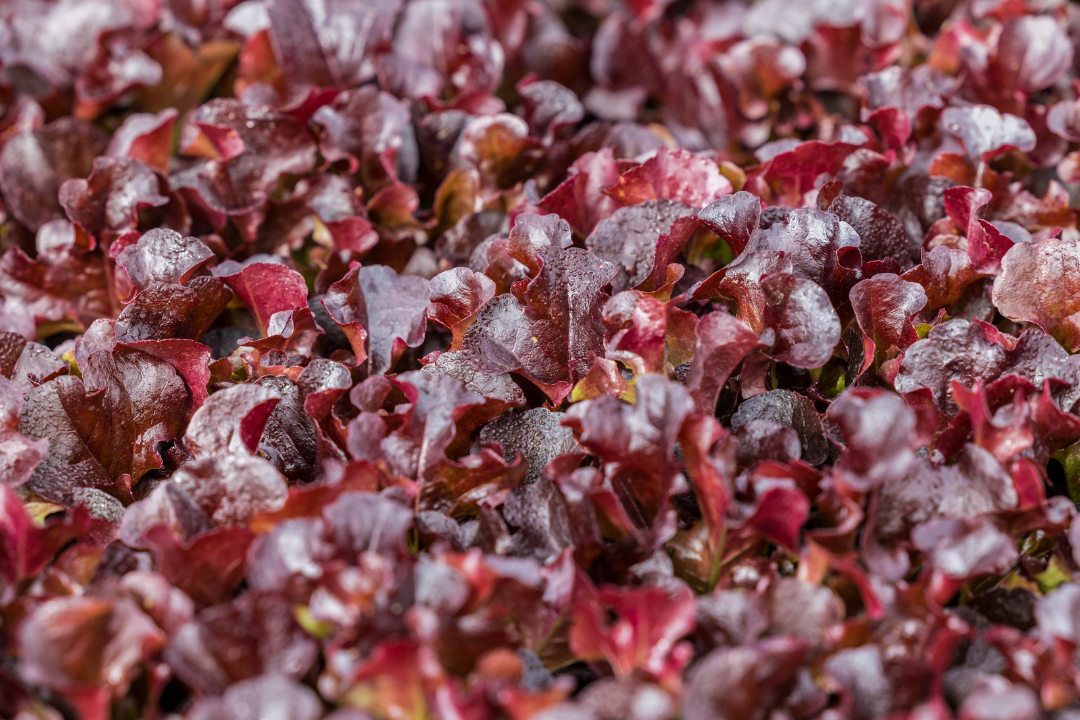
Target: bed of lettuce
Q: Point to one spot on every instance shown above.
(539, 359)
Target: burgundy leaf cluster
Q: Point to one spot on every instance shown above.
(539, 360)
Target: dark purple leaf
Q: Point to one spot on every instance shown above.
(366, 522)
(288, 439)
(173, 311)
(536, 434)
(804, 324)
(883, 235)
(230, 421)
(803, 610)
(162, 256)
(790, 410)
(764, 440)
(734, 218)
(552, 329)
(874, 686)
(628, 239)
(965, 352)
(106, 205)
(884, 306)
(381, 312)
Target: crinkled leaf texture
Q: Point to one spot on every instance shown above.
(550, 327)
(380, 312)
(477, 359)
(1039, 284)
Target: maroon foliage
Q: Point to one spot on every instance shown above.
(516, 360)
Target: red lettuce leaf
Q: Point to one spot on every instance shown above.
(82, 643)
(629, 238)
(671, 175)
(268, 288)
(173, 311)
(21, 453)
(162, 257)
(880, 435)
(381, 312)
(259, 695)
(27, 546)
(247, 149)
(722, 343)
(884, 306)
(365, 127)
(1037, 284)
(579, 199)
(551, 328)
(649, 622)
(985, 132)
(28, 364)
(744, 681)
(975, 485)
(106, 205)
(254, 634)
(807, 243)
(790, 410)
(636, 442)
(536, 434)
(145, 137)
(804, 325)
(882, 234)
(86, 449)
(456, 297)
(34, 164)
